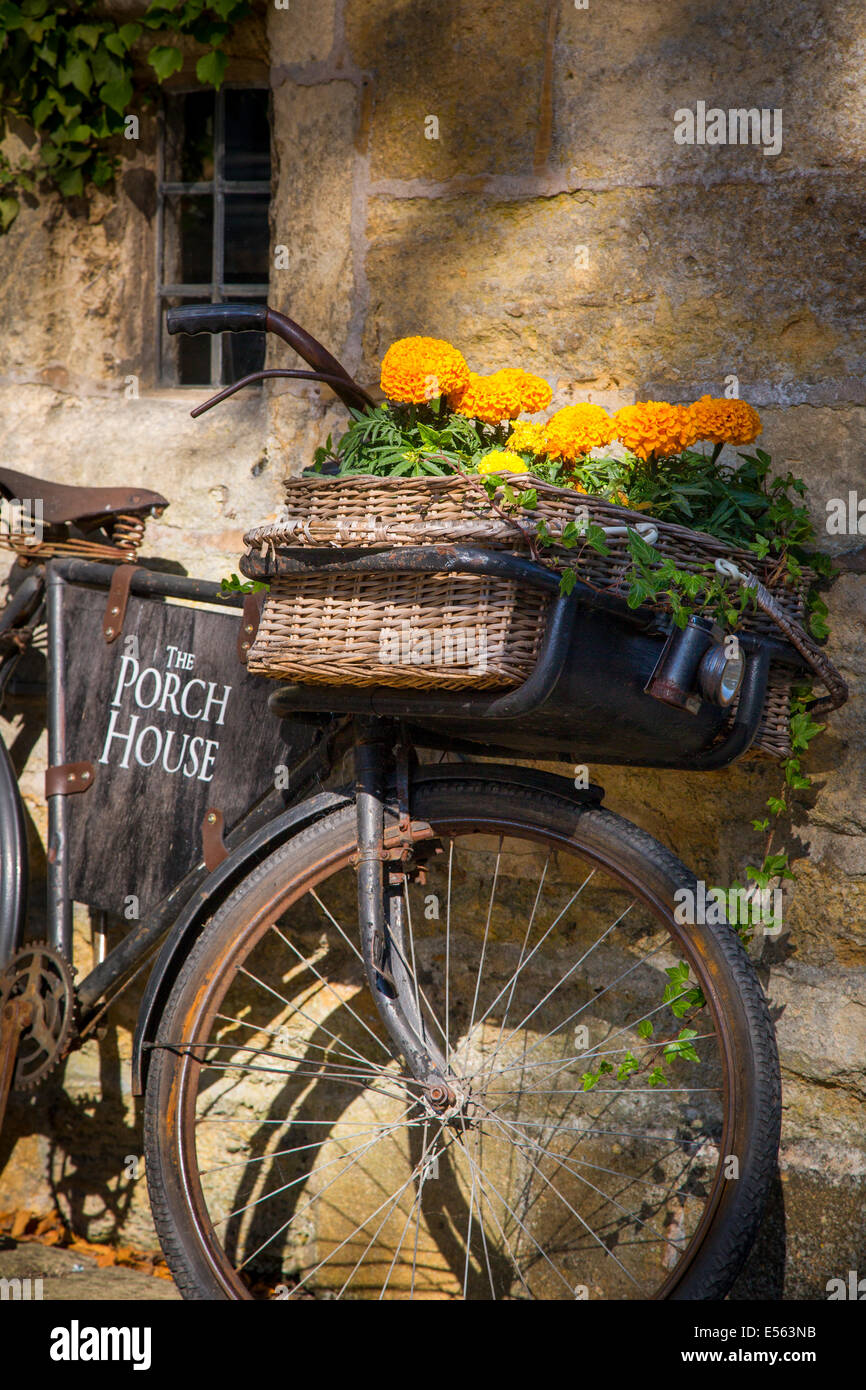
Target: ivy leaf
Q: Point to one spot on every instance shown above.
(87, 33)
(165, 59)
(103, 170)
(9, 209)
(567, 582)
(41, 111)
(117, 94)
(129, 34)
(114, 43)
(211, 68)
(71, 183)
(645, 1028)
(76, 73)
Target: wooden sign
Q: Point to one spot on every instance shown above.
(174, 727)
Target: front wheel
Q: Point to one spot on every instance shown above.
(613, 1115)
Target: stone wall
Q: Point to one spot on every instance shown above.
(554, 223)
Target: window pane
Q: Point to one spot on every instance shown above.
(189, 124)
(186, 359)
(188, 254)
(248, 135)
(247, 238)
(243, 353)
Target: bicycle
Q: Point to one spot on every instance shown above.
(439, 1033)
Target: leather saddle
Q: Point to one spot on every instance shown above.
(75, 505)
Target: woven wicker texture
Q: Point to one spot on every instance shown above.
(443, 632)
(380, 513)
(449, 632)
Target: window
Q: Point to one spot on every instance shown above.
(213, 237)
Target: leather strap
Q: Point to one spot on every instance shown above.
(212, 843)
(68, 777)
(118, 596)
(250, 620)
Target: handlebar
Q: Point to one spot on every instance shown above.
(260, 318)
(218, 318)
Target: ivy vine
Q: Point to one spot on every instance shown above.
(67, 71)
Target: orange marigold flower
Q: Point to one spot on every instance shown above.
(654, 428)
(415, 370)
(501, 396)
(526, 438)
(576, 429)
(723, 421)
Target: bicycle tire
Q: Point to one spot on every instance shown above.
(474, 807)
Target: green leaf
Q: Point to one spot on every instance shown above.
(114, 43)
(71, 183)
(657, 1077)
(211, 68)
(9, 209)
(41, 111)
(567, 582)
(645, 1028)
(76, 73)
(117, 95)
(165, 59)
(87, 33)
(129, 34)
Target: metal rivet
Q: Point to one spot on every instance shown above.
(115, 610)
(70, 777)
(109, 632)
(211, 818)
(245, 646)
(85, 775)
(248, 628)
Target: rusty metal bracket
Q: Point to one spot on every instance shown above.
(115, 606)
(212, 842)
(68, 777)
(250, 620)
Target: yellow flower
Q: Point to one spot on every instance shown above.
(654, 428)
(499, 462)
(526, 438)
(576, 429)
(723, 421)
(501, 396)
(417, 369)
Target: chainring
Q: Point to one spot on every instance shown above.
(42, 977)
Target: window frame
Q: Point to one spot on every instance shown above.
(218, 290)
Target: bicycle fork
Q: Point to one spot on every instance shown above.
(382, 916)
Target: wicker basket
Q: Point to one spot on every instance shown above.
(382, 513)
(456, 631)
(433, 631)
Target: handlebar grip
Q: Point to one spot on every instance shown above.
(218, 318)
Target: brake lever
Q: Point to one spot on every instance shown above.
(352, 395)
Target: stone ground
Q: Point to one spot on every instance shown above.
(69, 1277)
